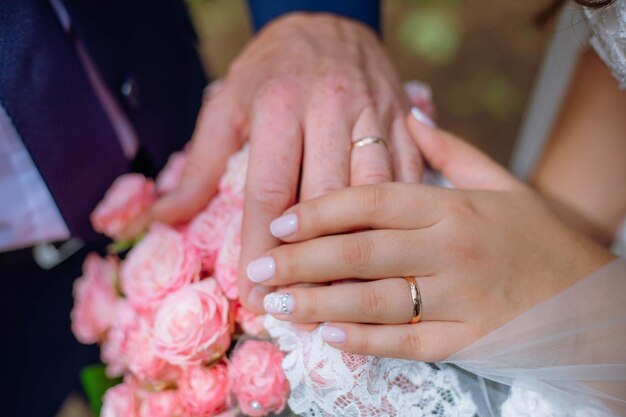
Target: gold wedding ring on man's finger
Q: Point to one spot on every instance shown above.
(369, 140)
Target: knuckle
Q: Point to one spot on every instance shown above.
(325, 186)
(467, 248)
(375, 200)
(463, 206)
(278, 90)
(373, 303)
(356, 252)
(376, 175)
(271, 196)
(411, 344)
(336, 82)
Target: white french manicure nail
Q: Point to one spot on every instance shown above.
(278, 303)
(421, 117)
(284, 225)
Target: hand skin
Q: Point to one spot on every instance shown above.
(482, 253)
(301, 91)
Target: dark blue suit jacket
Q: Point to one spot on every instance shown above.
(367, 11)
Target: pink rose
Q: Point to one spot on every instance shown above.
(207, 230)
(124, 212)
(250, 323)
(227, 263)
(169, 177)
(142, 359)
(95, 299)
(160, 263)
(114, 349)
(160, 404)
(204, 391)
(119, 401)
(193, 324)
(233, 181)
(258, 379)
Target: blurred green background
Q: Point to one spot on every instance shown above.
(479, 56)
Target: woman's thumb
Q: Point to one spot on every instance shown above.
(459, 162)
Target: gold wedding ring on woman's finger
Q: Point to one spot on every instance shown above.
(369, 140)
(416, 297)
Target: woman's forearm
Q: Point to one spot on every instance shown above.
(583, 170)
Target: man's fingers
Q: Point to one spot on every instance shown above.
(428, 341)
(272, 178)
(381, 206)
(459, 162)
(407, 160)
(370, 164)
(326, 164)
(216, 137)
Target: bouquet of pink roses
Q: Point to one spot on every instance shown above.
(167, 315)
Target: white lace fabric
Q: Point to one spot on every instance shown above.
(608, 27)
(326, 382)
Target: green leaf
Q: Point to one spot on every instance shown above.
(95, 382)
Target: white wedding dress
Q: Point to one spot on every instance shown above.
(518, 370)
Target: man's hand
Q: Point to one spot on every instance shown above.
(301, 92)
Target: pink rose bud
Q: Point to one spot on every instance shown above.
(159, 264)
(258, 379)
(204, 391)
(119, 401)
(160, 404)
(228, 258)
(207, 230)
(124, 212)
(169, 177)
(193, 325)
(95, 299)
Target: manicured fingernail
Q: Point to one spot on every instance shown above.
(284, 225)
(332, 334)
(278, 303)
(261, 269)
(421, 117)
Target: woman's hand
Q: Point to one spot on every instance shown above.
(481, 255)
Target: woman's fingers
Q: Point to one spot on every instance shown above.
(428, 341)
(373, 206)
(368, 255)
(461, 163)
(386, 301)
